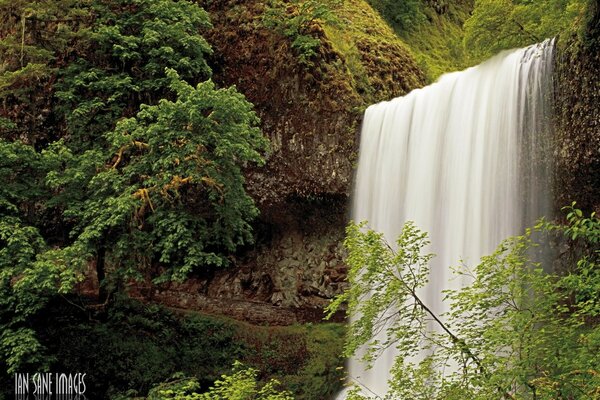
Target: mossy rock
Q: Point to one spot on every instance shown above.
(311, 113)
(577, 115)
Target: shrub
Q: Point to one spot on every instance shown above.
(519, 330)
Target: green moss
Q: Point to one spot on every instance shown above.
(379, 64)
(306, 359)
(438, 43)
(359, 59)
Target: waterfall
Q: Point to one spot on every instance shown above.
(464, 158)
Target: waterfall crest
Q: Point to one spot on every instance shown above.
(464, 158)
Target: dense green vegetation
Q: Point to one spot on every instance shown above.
(502, 24)
(134, 347)
(449, 35)
(120, 158)
(118, 152)
(432, 29)
(521, 329)
(242, 384)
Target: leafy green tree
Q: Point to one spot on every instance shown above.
(117, 63)
(168, 190)
(121, 61)
(517, 331)
(242, 384)
(497, 25)
(108, 154)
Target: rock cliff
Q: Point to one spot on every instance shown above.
(577, 86)
(311, 113)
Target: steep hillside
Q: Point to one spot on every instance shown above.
(309, 110)
(433, 29)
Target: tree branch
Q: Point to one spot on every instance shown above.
(462, 345)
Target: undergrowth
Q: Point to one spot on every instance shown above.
(134, 347)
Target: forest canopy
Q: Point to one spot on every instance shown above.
(497, 25)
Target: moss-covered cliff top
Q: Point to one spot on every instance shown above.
(310, 72)
(380, 64)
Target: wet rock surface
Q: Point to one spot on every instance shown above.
(577, 148)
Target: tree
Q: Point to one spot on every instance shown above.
(120, 62)
(497, 25)
(517, 331)
(30, 270)
(168, 191)
(111, 153)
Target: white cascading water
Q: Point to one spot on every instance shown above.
(464, 159)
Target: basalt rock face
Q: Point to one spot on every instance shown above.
(577, 154)
(309, 110)
(311, 113)
(288, 277)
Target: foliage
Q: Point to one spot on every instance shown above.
(589, 31)
(372, 264)
(169, 188)
(497, 25)
(109, 154)
(122, 60)
(296, 20)
(241, 384)
(321, 374)
(30, 271)
(168, 179)
(134, 346)
(451, 35)
(402, 15)
(518, 330)
(306, 359)
(433, 29)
